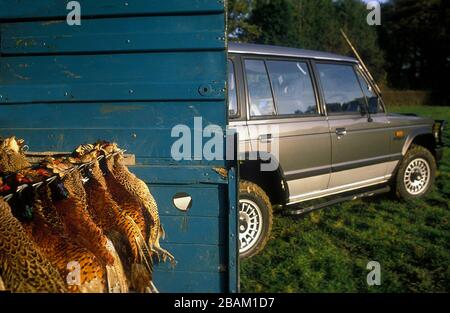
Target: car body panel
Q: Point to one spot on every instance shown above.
(301, 166)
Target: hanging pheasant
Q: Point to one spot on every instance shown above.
(49, 231)
(74, 213)
(80, 226)
(11, 156)
(44, 226)
(124, 184)
(50, 238)
(125, 223)
(23, 268)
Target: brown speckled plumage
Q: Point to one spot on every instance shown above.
(46, 230)
(131, 187)
(61, 250)
(11, 157)
(124, 219)
(23, 267)
(74, 213)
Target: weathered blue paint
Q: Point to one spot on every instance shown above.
(113, 77)
(47, 9)
(184, 32)
(129, 74)
(233, 232)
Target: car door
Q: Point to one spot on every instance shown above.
(284, 113)
(359, 141)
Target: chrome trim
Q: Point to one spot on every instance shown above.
(339, 189)
(240, 48)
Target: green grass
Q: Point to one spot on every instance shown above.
(328, 250)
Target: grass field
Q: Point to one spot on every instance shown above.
(328, 250)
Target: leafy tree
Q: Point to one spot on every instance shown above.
(308, 24)
(415, 35)
(239, 26)
(275, 18)
(316, 25)
(352, 18)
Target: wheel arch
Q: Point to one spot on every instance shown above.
(421, 137)
(272, 182)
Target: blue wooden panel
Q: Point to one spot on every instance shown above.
(32, 9)
(139, 115)
(130, 77)
(233, 232)
(194, 258)
(190, 282)
(206, 199)
(155, 33)
(194, 230)
(116, 77)
(155, 143)
(178, 174)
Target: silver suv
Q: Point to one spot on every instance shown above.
(317, 117)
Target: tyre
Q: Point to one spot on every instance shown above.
(416, 173)
(255, 219)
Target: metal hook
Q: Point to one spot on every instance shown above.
(51, 179)
(21, 188)
(37, 185)
(8, 197)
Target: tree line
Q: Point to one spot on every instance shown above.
(409, 50)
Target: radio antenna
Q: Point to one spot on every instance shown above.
(361, 62)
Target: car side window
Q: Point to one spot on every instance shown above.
(372, 98)
(232, 92)
(259, 91)
(341, 89)
(292, 88)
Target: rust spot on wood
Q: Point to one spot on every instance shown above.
(51, 23)
(70, 74)
(108, 108)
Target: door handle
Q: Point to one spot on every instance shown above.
(341, 132)
(267, 138)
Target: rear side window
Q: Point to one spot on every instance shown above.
(341, 89)
(232, 92)
(292, 88)
(258, 86)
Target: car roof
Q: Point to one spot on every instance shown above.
(245, 48)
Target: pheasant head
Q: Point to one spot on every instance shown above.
(11, 155)
(12, 144)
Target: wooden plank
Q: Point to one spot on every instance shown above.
(194, 258)
(113, 77)
(233, 230)
(42, 9)
(143, 115)
(181, 174)
(166, 33)
(37, 157)
(193, 230)
(190, 282)
(141, 142)
(206, 199)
